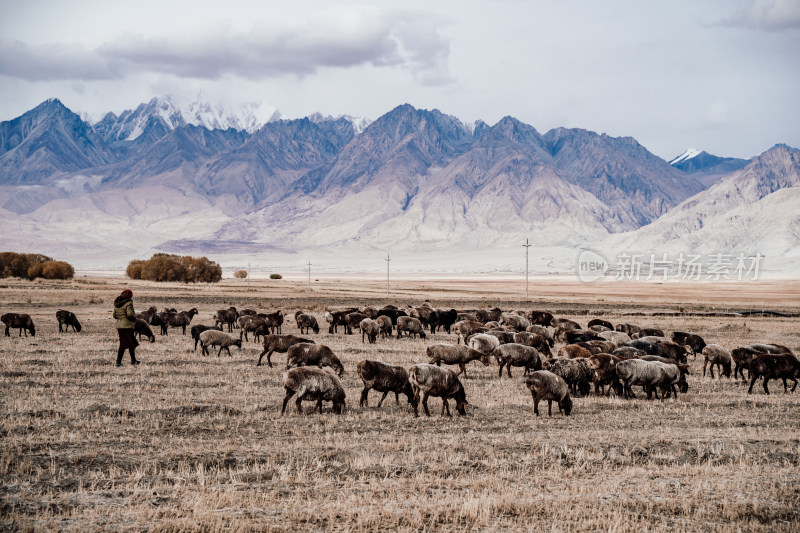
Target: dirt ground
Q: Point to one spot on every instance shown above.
(186, 442)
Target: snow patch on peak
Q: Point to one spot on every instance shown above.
(688, 154)
(359, 123)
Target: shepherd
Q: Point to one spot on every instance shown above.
(126, 322)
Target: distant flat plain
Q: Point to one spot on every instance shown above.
(186, 442)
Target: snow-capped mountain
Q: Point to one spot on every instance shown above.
(359, 123)
(705, 167)
(688, 154)
(415, 181)
(163, 114)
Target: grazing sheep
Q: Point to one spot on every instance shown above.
(597, 346)
(542, 318)
(273, 322)
(605, 373)
(445, 318)
(465, 329)
(514, 354)
(741, 358)
(504, 337)
(565, 323)
(252, 324)
(314, 384)
(617, 337)
(543, 331)
(435, 381)
(563, 330)
(424, 315)
(369, 329)
(518, 323)
(781, 366)
(576, 336)
(455, 354)
(179, 320)
(577, 373)
(487, 315)
(306, 322)
(545, 385)
(306, 354)
(628, 352)
(650, 348)
(649, 374)
(226, 316)
(412, 326)
(18, 320)
(675, 351)
(496, 326)
(682, 383)
(469, 317)
(533, 339)
(716, 355)
(67, 319)
(597, 328)
(600, 322)
(648, 332)
(384, 378)
(483, 342)
(142, 328)
(392, 312)
(695, 341)
(370, 311)
(572, 351)
(213, 337)
(280, 344)
(197, 329)
(248, 312)
(352, 320)
(385, 326)
(628, 329)
(769, 348)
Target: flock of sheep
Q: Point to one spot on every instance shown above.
(609, 357)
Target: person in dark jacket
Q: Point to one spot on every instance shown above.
(126, 321)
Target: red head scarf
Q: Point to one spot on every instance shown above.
(126, 294)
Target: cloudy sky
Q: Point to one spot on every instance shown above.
(720, 75)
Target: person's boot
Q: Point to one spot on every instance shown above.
(134, 361)
(119, 356)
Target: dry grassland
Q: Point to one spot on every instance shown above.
(185, 442)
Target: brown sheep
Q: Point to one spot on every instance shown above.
(533, 339)
(385, 326)
(195, 331)
(142, 328)
(695, 341)
(455, 354)
(411, 326)
(648, 332)
(306, 321)
(513, 354)
(384, 378)
(18, 320)
(716, 355)
(545, 385)
(352, 320)
(67, 319)
(369, 329)
(542, 318)
(307, 354)
(600, 322)
(572, 351)
(280, 344)
(628, 329)
(781, 366)
(435, 381)
(605, 373)
(225, 316)
(464, 329)
(314, 384)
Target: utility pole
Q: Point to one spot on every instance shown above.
(387, 272)
(526, 245)
(249, 275)
(309, 275)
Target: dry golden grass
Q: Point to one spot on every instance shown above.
(185, 442)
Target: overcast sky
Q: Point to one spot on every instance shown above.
(719, 75)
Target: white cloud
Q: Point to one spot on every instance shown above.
(767, 15)
(338, 37)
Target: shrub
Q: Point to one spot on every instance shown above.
(275, 276)
(51, 270)
(241, 274)
(13, 264)
(168, 267)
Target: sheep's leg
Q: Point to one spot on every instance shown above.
(508, 369)
(500, 373)
(753, 379)
(549, 407)
(425, 404)
(364, 402)
(289, 394)
(766, 390)
(319, 406)
(269, 358)
(704, 369)
(383, 398)
(396, 398)
(415, 401)
(535, 403)
(260, 356)
(446, 407)
(785, 387)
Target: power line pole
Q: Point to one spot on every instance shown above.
(387, 272)
(249, 275)
(526, 245)
(309, 275)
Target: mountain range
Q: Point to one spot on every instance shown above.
(234, 185)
